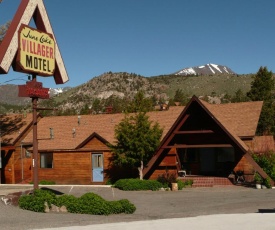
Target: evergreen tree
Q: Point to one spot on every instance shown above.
(262, 89)
(181, 97)
(140, 103)
(239, 96)
(137, 140)
(96, 105)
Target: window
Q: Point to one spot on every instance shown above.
(28, 154)
(226, 155)
(188, 155)
(46, 160)
(97, 160)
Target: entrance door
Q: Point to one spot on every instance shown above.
(97, 167)
(207, 161)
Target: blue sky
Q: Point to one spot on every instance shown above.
(154, 37)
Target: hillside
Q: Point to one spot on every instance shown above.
(110, 88)
(124, 86)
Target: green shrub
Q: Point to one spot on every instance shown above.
(116, 207)
(44, 182)
(65, 200)
(92, 203)
(128, 207)
(121, 206)
(267, 182)
(89, 203)
(180, 184)
(266, 161)
(36, 201)
(137, 185)
(188, 182)
(257, 178)
(183, 184)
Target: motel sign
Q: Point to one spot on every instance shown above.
(36, 51)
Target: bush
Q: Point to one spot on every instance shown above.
(45, 182)
(181, 184)
(166, 179)
(137, 185)
(36, 201)
(257, 178)
(66, 200)
(267, 162)
(267, 182)
(122, 206)
(89, 203)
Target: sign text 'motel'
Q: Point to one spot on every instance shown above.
(33, 89)
(36, 52)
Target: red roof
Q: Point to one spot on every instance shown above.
(240, 118)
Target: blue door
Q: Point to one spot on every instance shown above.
(97, 167)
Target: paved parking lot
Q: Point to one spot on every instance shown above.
(151, 205)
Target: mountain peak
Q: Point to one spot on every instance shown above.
(207, 69)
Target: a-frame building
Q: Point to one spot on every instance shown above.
(202, 143)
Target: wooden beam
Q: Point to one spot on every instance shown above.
(7, 148)
(178, 127)
(194, 132)
(184, 146)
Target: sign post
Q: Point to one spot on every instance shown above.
(35, 141)
(32, 51)
(34, 90)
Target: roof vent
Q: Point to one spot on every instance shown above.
(74, 132)
(51, 133)
(78, 119)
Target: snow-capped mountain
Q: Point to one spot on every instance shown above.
(55, 91)
(208, 69)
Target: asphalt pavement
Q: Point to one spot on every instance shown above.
(195, 208)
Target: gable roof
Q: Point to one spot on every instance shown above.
(219, 119)
(241, 118)
(103, 125)
(13, 127)
(262, 144)
(9, 46)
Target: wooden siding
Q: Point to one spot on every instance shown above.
(72, 168)
(95, 144)
(247, 168)
(167, 165)
(68, 168)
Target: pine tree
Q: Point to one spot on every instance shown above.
(140, 103)
(181, 97)
(262, 89)
(239, 96)
(137, 140)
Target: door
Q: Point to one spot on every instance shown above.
(207, 161)
(97, 167)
